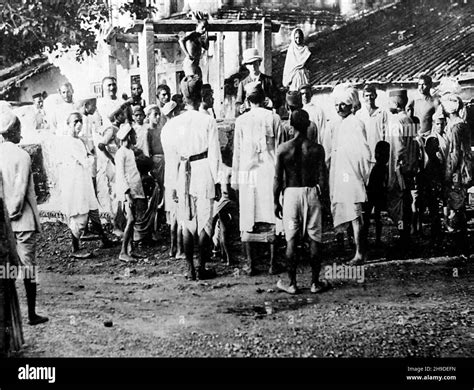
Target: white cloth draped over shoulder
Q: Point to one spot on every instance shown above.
(253, 166)
(75, 182)
(349, 168)
(294, 73)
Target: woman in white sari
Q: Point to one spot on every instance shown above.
(295, 74)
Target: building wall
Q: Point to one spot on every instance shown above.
(48, 82)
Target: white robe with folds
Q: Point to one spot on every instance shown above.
(253, 166)
(75, 182)
(190, 134)
(349, 169)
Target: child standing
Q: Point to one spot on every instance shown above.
(377, 190)
(128, 186)
(141, 130)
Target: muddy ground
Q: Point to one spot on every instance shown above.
(420, 307)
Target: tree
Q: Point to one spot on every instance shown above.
(28, 27)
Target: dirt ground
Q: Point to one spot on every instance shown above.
(420, 307)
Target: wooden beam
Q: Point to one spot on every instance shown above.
(265, 42)
(170, 26)
(220, 92)
(146, 52)
(159, 38)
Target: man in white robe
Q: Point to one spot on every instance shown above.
(193, 155)
(253, 169)
(78, 199)
(20, 201)
(59, 112)
(349, 166)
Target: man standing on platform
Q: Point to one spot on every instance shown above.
(20, 199)
(194, 154)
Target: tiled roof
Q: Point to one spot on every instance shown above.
(394, 45)
(287, 17)
(16, 74)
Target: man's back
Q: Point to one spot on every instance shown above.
(303, 162)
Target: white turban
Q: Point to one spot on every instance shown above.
(451, 103)
(346, 93)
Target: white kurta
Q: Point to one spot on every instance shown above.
(192, 133)
(105, 107)
(376, 126)
(142, 138)
(75, 182)
(349, 169)
(317, 115)
(127, 177)
(253, 166)
(58, 115)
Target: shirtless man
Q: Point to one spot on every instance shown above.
(301, 174)
(192, 45)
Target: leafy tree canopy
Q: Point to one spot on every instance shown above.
(28, 27)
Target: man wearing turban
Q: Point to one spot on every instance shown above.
(349, 166)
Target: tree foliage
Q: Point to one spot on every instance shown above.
(28, 27)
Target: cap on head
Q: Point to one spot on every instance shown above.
(251, 55)
(124, 130)
(398, 92)
(191, 87)
(293, 99)
(169, 107)
(7, 121)
(299, 119)
(136, 109)
(370, 88)
(254, 92)
(150, 108)
(37, 95)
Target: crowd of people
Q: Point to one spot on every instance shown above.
(141, 162)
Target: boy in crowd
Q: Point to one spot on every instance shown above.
(128, 186)
(141, 130)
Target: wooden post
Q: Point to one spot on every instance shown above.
(265, 45)
(221, 78)
(112, 57)
(146, 53)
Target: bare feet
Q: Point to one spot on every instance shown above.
(82, 255)
(320, 287)
(288, 289)
(125, 257)
(180, 255)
